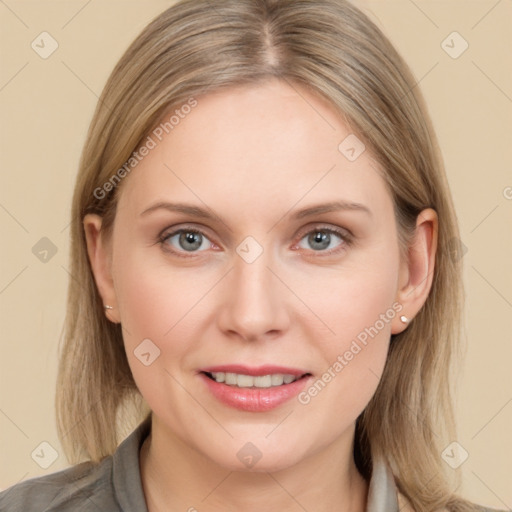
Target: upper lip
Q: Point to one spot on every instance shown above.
(255, 371)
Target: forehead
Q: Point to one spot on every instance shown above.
(263, 124)
(247, 147)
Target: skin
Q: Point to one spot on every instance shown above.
(253, 156)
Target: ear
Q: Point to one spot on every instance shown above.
(100, 257)
(417, 272)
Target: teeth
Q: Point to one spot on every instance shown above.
(277, 379)
(243, 381)
(249, 381)
(229, 378)
(263, 381)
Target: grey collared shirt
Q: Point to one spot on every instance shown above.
(114, 485)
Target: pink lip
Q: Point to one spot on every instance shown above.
(254, 399)
(254, 371)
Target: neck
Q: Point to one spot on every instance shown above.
(327, 480)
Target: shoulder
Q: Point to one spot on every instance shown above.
(112, 485)
(81, 488)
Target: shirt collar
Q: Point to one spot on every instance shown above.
(126, 476)
(382, 493)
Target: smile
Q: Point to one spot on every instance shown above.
(253, 389)
(248, 381)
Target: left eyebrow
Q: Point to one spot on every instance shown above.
(331, 207)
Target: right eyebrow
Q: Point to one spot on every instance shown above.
(194, 211)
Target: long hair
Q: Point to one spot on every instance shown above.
(338, 53)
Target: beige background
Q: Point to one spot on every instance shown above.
(46, 105)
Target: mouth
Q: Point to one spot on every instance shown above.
(241, 380)
(254, 389)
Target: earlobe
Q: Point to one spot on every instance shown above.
(100, 257)
(417, 273)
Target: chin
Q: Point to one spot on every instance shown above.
(257, 457)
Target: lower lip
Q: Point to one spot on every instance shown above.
(254, 399)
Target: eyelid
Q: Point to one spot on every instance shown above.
(323, 226)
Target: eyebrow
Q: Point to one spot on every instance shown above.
(331, 207)
(203, 213)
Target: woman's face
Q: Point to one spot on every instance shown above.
(281, 259)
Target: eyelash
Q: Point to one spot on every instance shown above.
(345, 236)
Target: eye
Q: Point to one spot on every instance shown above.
(186, 240)
(325, 240)
(192, 241)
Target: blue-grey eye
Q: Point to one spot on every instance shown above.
(187, 240)
(321, 239)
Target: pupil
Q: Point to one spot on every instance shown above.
(320, 240)
(190, 241)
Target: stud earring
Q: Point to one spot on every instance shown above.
(404, 319)
(106, 306)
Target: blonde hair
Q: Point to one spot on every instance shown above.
(337, 52)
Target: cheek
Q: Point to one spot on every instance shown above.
(151, 296)
(358, 310)
(139, 295)
(162, 304)
(350, 301)
(154, 304)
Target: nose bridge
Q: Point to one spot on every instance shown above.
(255, 302)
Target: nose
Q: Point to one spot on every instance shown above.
(254, 303)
